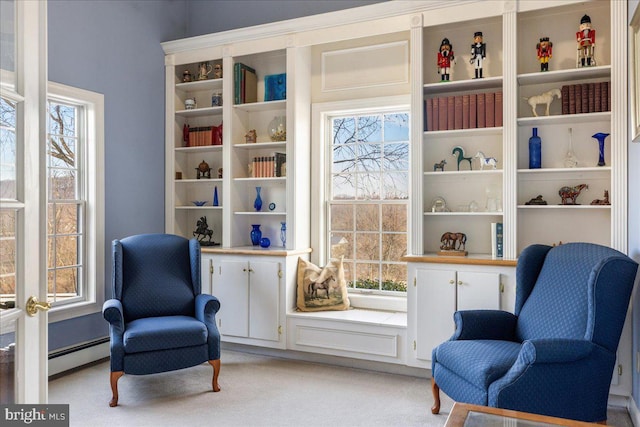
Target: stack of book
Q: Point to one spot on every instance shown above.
(467, 111)
(200, 136)
(269, 166)
(586, 98)
(245, 88)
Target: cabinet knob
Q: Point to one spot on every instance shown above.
(451, 282)
(459, 282)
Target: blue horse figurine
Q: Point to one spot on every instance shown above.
(458, 152)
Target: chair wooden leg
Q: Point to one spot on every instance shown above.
(216, 370)
(435, 409)
(115, 376)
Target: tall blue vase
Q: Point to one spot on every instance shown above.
(535, 150)
(256, 234)
(600, 136)
(257, 203)
(215, 196)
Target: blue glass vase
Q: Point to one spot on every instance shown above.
(535, 150)
(265, 242)
(257, 203)
(283, 233)
(600, 136)
(215, 196)
(256, 234)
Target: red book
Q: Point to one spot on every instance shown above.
(608, 96)
(480, 106)
(604, 97)
(578, 97)
(428, 125)
(597, 94)
(498, 109)
(465, 111)
(489, 109)
(436, 115)
(591, 93)
(442, 115)
(565, 99)
(585, 98)
(473, 111)
(451, 112)
(457, 122)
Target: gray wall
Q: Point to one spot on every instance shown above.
(211, 16)
(113, 47)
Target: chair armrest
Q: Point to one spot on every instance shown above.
(554, 350)
(206, 306)
(485, 325)
(112, 312)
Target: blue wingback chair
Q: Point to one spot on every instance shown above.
(555, 355)
(158, 319)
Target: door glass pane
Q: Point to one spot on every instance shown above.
(7, 42)
(7, 149)
(7, 361)
(7, 258)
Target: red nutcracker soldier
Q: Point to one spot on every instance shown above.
(445, 57)
(586, 39)
(544, 49)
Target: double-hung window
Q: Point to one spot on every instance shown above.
(75, 226)
(366, 191)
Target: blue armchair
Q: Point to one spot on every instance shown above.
(158, 319)
(555, 355)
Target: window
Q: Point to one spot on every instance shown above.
(365, 187)
(75, 230)
(8, 194)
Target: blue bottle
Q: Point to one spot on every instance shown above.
(535, 150)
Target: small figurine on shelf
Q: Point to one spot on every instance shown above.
(478, 53)
(586, 39)
(604, 201)
(453, 244)
(186, 76)
(439, 165)
(537, 201)
(445, 57)
(250, 137)
(570, 194)
(204, 69)
(203, 170)
(203, 231)
(458, 152)
(544, 50)
(217, 71)
(486, 161)
(545, 98)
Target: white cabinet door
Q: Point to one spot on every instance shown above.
(264, 297)
(231, 287)
(478, 291)
(206, 274)
(436, 303)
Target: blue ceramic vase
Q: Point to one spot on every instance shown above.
(256, 234)
(600, 136)
(535, 150)
(257, 203)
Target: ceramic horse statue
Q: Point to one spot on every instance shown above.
(486, 161)
(570, 194)
(458, 152)
(439, 165)
(453, 241)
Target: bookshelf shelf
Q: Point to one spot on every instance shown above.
(199, 85)
(201, 149)
(488, 83)
(254, 107)
(261, 145)
(565, 119)
(199, 112)
(565, 76)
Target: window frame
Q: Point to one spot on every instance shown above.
(322, 113)
(91, 171)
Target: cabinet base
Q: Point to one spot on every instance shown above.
(453, 253)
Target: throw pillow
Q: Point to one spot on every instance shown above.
(322, 288)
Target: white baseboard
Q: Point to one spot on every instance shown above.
(634, 412)
(78, 358)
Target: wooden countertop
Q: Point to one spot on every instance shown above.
(466, 260)
(254, 251)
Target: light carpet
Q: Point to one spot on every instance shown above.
(256, 391)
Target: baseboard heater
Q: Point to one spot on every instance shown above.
(78, 355)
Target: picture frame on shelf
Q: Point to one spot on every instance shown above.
(634, 72)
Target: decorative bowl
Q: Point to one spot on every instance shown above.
(199, 202)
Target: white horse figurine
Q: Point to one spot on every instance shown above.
(486, 161)
(544, 98)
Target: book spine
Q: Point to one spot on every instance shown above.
(604, 96)
(494, 243)
(428, 121)
(442, 114)
(451, 112)
(473, 111)
(489, 109)
(591, 97)
(435, 123)
(480, 105)
(585, 98)
(565, 99)
(465, 111)
(578, 96)
(499, 240)
(498, 108)
(597, 95)
(236, 83)
(457, 122)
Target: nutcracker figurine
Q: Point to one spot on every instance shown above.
(544, 49)
(586, 39)
(478, 53)
(445, 57)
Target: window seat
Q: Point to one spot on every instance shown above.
(374, 335)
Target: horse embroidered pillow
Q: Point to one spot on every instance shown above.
(322, 288)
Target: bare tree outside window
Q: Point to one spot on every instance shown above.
(369, 199)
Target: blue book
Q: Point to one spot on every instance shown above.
(275, 87)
